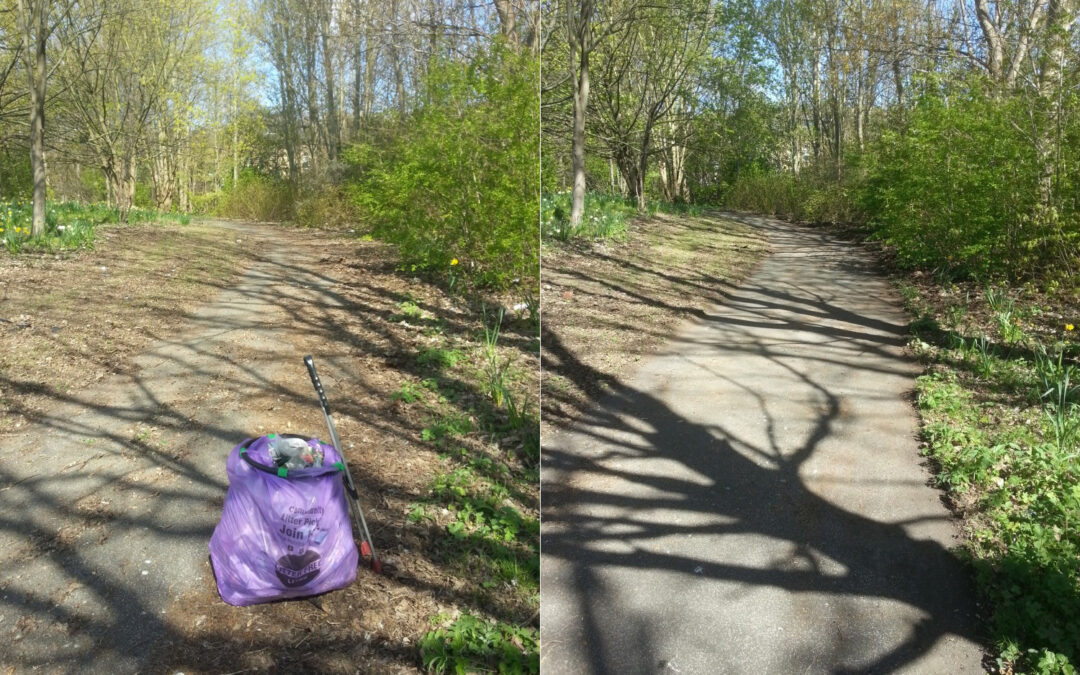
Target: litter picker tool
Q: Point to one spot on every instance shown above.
(366, 547)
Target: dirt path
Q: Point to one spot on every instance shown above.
(108, 499)
(751, 499)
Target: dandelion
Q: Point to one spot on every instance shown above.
(453, 262)
(1069, 326)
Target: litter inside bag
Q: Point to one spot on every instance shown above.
(284, 532)
(294, 452)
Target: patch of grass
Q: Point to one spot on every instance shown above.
(68, 225)
(471, 644)
(676, 208)
(408, 310)
(1003, 425)
(408, 392)
(451, 425)
(486, 531)
(438, 358)
(605, 217)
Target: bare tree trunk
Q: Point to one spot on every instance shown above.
(580, 34)
(396, 58)
(994, 42)
(1060, 16)
(333, 136)
(34, 17)
(371, 58)
(507, 21)
(358, 73)
(235, 146)
(815, 102)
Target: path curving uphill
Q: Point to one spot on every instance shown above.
(752, 499)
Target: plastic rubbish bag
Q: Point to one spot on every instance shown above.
(283, 533)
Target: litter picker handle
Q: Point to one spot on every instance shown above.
(310, 363)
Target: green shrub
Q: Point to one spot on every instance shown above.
(326, 207)
(461, 179)
(256, 197)
(805, 197)
(957, 189)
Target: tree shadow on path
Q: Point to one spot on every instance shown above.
(693, 536)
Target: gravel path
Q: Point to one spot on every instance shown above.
(107, 503)
(752, 498)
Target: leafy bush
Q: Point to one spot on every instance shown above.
(254, 197)
(326, 207)
(461, 179)
(16, 178)
(958, 190)
(802, 198)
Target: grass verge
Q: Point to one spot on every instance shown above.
(606, 216)
(68, 225)
(1001, 420)
(609, 303)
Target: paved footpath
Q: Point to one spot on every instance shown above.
(107, 503)
(752, 498)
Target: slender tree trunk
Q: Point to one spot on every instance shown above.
(235, 140)
(580, 46)
(643, 166)
(815, 101)
(34, 17)
(507, 21)
(371, 57)
(358, 80)
(1060, 16)
(333, 136)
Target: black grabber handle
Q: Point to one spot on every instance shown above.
(310, 363)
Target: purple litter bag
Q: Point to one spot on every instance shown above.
(283, 533)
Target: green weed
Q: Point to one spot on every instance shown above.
(531, 311)
(1005, 314)
(408, 392)
(448, 426)
(438, 358)
(470, 644)
(955, 313)
(408, 310)
(487, 529)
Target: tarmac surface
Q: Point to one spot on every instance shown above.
(752, 499)
(107, 503)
